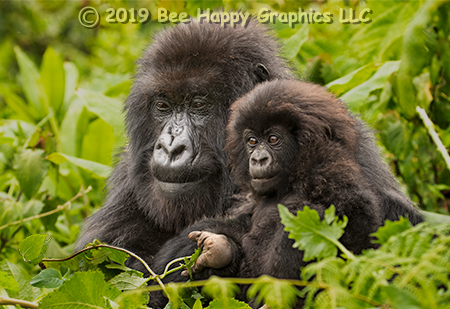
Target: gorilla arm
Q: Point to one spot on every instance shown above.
(221, 241)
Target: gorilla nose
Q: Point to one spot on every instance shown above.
(260, 158)
(173, 151)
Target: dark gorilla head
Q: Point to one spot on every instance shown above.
(177, 112)
(296, 137)
(284, 129)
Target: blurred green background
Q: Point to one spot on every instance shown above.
(62, 88)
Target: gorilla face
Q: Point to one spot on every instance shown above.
(271, 154)
(184, 156)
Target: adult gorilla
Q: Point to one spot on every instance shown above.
(174, 171)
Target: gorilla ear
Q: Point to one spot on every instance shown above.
(262, 73)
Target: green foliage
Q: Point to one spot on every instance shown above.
(274, 293)
(62, 89)
(33, 248)
(318, 239)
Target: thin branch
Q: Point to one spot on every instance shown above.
(154, 276)
(166, 270)
(12, 301)
(434, 136)
(51, 212)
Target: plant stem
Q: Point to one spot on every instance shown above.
(154, 276)
(12, 301)
(434, 136)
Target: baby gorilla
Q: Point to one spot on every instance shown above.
(293, 143)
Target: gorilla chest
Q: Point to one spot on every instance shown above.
(264, 243)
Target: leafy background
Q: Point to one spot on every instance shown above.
(62, 88)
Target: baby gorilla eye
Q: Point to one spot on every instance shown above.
(252, 141)
(273, 139)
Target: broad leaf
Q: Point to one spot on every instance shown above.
(109, 109)
(389, 229)
(31, 83)
(318, 239)
(52, 77)
(48, 278)
(127, 281)
(33, 248)
(82, 290)
(358, 95)
(98, 169)
(26, 291)
(31, 169)
(293, 45)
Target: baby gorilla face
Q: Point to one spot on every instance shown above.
(271, 153)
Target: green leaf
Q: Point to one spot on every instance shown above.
(70, 133)
(127, 281)
(82, 290)
(275, 293)
(121, 88)
(31, 83)
(26, 291)
(71, 80)
(17, 104)
(53, 78)
(292, 46)
(98, 169)
(216, 287)
(98, 143)
(318, 239)
(109, 109)
(358, 95)
(391, 228)
(401, 298)
(8, 282)
(190, 262)
(352, 79)
(223, 303)
(117, 256)
(415, 55)
(31, 169)
(33, 248)
(48, 278)
(132, 299)
(198, 304)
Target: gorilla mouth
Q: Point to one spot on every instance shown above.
(265, 184)
(175, 189)
(263, 178)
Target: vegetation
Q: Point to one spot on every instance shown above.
(62, 88)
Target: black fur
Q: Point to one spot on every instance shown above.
(184, 64)
(336, 162)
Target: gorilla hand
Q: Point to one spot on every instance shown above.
(216, 251)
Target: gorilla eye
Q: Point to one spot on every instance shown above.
(198, 104)
(252, 141)
(273, 139)
(162, 105)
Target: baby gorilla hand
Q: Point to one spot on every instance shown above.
(216, 251)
